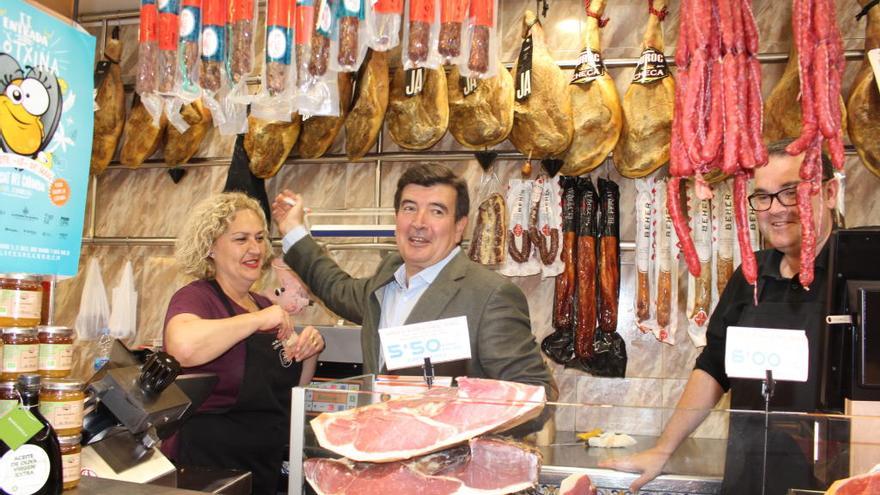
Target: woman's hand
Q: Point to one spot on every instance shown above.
(648, 463)
(309, 343)
(274, 317)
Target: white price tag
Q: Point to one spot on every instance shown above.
(874, 58)
(441, 340)
(750, 352)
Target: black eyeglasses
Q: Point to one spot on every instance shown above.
(763, 201)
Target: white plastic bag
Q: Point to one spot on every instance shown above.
(123, 317)
(94, 312)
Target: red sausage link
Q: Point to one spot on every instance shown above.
(808, 233)
(682, 229)
(749, 264)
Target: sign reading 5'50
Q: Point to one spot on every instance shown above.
(441, 340)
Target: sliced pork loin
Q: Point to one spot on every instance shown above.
(406, 427)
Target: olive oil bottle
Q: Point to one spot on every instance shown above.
(34, 467)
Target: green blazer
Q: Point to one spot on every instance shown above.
(502, 344)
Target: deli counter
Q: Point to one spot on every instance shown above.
(831, 446)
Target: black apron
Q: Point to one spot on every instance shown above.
(789, 440)
(251, 435)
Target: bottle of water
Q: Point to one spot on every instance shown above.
(105, 343)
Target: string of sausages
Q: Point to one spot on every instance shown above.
(718, 117)
(820, 64)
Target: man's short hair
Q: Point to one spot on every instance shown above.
(777, 148)
(431, 174)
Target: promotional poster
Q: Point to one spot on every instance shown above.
(46, 117)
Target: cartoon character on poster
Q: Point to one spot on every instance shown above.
(46, 118)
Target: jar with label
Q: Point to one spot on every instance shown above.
(21, 352)
(56, 351)
(21, 299)
(8, 397)
(61, 402)
(70, 459)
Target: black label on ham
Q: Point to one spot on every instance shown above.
(569, 203)
(415, 81)
(101, 71)
(652, 67)
(589, 67)
(468, 85)
(523, 79)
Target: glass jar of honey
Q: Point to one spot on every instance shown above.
(21, 299)
(61, 403)
(21, 352)
(8, 396)
(56, 351)
(70, 459)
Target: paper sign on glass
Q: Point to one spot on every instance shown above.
(407, 346)
(750, 352)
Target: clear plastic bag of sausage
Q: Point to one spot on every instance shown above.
(699, 289)
(240, 62)
(169, 38)
(383, 24)
(453, 27)
(664, 284)
(146, 81)
(644, 249)
(277, 85)
(549, 228)
(186, 87)
(348, 42)
(421, 33)
(480, 54)
(317, 87)
(212, 57)
(521, 260)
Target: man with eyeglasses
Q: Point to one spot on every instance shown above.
(782, 303)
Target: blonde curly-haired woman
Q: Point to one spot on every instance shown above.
(216, 324)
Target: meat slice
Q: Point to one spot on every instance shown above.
(140, 138)
(485, 466)
(410, 426)
(179, 148)
(268, 143)
(318, 133)
(363, 123)
(577, 484)
(417, 122)
(542, 123)
(644, 141)
(863, 110)
(110, 101)
(485, 117)
(865, 484)
(595, 105)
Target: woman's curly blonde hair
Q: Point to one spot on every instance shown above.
(209, 220)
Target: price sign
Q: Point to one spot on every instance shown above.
(407, 346)
(750, 352)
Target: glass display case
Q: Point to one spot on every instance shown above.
(751, 451)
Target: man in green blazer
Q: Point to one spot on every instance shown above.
(429, 278)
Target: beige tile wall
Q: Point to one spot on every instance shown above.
(146, 203)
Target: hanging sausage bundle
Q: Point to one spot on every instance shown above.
(718, 113)
(821, 67)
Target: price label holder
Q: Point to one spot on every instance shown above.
(407, 346)
(751, 351)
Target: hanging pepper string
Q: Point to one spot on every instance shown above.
(599, 20)
(661, 14)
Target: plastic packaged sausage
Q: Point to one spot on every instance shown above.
(699, 298)
(349, 41)
(452, 29)
(383, 24)
(275, 100)
(212, 67)
(148, 47)
(188, 50)
(644, 230)
(420, 35)
(241, 49)
(482, 40)
(317, 86)
(169, 36)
